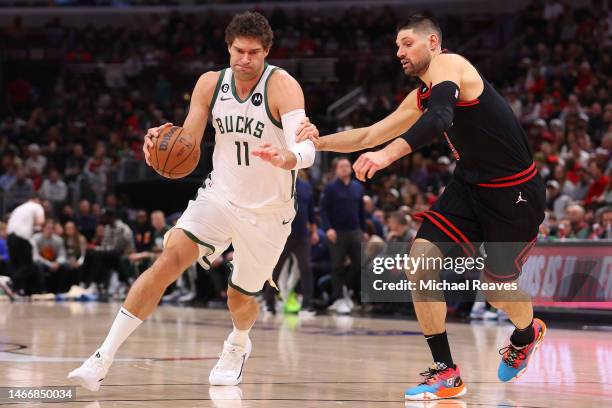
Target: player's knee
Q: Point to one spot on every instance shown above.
(236, 300)
(168, 266)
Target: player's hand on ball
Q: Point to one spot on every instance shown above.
(307, 131)
(369, 163)
(148, 140)
(271, 154)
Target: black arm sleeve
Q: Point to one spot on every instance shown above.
(438, 117)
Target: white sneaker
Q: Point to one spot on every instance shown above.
(478, 310)
(92, 372)
(230, 367)
(347, 297)
(334, 306)
(344, 307)
(75, 292)
(92, 289)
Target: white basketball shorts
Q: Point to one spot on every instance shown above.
(257, 235)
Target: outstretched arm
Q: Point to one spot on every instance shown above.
(367, 137)
(446, 77)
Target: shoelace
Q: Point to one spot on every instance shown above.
(511, 355)
(431, 375)
(229, 359)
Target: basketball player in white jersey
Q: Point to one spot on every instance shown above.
(247, 200)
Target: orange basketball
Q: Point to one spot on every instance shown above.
(175, 153)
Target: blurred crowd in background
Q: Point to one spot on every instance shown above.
(71, 125)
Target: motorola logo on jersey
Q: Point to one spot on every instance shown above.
(257, 99)
(225, 88)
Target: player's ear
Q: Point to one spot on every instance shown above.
(266, 52)
(434, 42)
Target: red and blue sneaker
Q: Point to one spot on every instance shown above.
(515, 359)
(440, 382)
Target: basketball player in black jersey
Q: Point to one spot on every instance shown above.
(495, 195)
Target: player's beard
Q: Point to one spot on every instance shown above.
(417, 68)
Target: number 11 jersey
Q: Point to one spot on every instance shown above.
(241, 125)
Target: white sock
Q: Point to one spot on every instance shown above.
(238, 337)
(125, 323)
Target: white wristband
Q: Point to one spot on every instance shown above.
(304, 151)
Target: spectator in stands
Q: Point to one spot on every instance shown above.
(142, 232)
(21, 190)
(117, 243)
(556, 201)
(111, 202)
(607, 194)
(66, 214)
(370, 209)
(441, 178)
(96, 241)
(85, 221)
(50, 255)
(565, 185)
(8, 178)
(144, 256)
(54, 190)
(76, 247)
(343, 218)
(579, 227)
(23, 221)
(582, 185)
(75, 163)
(400, 230)
(35, 161)
(603, 228)
(599, 183)
(160, 227)
(58, 229)
(96, 170)
(419, 174)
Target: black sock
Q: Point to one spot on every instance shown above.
(522, 337)
(440, 350)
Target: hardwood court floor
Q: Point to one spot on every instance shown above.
(324, 362)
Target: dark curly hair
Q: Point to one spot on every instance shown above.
(422, 22)
(250, 24)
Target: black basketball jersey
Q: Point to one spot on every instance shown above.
(487, 140)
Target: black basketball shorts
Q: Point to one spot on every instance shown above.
(502, 218)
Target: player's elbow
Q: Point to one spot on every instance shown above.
(441, 119)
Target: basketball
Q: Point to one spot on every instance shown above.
(175, 153)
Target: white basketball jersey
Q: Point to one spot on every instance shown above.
(240, 127)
